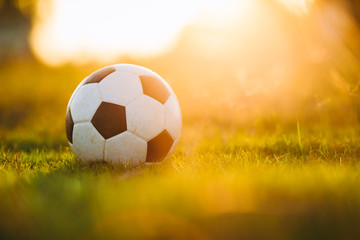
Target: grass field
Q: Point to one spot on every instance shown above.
(278, 179)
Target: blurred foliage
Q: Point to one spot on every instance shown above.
(283, 68)
(27, 7)
(15, 25)
(342, 21)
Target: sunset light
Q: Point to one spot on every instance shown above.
(180, 119)
(297, 6)
(81, 31)
(101, 31)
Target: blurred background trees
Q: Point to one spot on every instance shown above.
(15, 25)
(336, 25)
(244, 61)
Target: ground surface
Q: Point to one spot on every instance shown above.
(293, 180)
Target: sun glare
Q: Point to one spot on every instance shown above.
(296, 6)
(88, 30)
(91, 30)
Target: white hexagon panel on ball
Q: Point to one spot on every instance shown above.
(85, 103)
(120, 88)
(126, 148)
(88, 142)
(124, 114)
(145, 117)
(173, 119)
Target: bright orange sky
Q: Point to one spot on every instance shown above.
(88, 30)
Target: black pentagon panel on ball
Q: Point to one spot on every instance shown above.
(159, 147)
(69, 125)
(110, 119)
(99, 75)
(155, 88)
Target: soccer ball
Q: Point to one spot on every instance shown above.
(123, 114)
